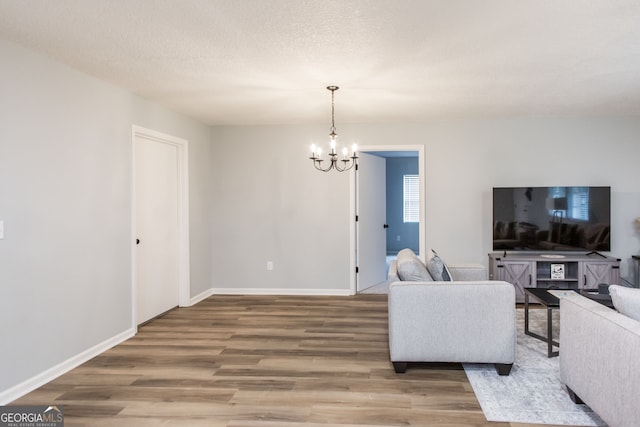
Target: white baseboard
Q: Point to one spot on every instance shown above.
(281, 291)
(15, 392)
(201, 297)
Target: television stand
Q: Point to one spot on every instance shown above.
(596, 253)
(572, 271)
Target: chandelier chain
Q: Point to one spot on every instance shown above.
(333, 109)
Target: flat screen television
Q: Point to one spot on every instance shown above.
(558, 219)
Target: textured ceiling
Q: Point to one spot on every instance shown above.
(268, 61)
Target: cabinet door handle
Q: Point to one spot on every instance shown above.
(529, 280)
(585, 281)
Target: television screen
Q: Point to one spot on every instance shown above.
(552, 219)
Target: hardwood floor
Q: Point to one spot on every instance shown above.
(263, 361)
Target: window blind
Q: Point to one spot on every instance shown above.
(411, 196)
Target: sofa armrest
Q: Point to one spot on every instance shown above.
(599, 359)
(452, 322)
(468, 272)
(392, 274)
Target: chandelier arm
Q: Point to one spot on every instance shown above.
(341, 169)
(345, 167)
(317, 164)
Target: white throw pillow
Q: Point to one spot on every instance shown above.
(438, 269)
(626, 300)
(410, 268)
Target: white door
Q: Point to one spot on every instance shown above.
(372, 214)
(156, 222)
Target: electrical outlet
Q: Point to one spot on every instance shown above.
(269, 265)
(398, 237)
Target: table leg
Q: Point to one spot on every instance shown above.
(526, 313)
(549, 332)
(549, 338)
(550, 341)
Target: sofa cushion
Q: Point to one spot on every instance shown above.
(410, 268)
(438, 269)
(626, 300)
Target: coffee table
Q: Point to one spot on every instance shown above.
(604, 299)
(550, 302)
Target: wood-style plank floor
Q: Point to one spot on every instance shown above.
(263, 361)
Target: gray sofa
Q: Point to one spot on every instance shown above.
(599, 359)
(467, 320)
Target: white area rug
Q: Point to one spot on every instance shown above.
(532, 393)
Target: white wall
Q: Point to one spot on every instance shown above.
(271, 205)
(65, 199)
(278, 207)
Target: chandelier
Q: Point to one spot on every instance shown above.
(340, 164)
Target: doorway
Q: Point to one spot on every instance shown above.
(160, 219)
(377, 231)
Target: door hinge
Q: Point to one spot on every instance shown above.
(356, 218)
(357, 270)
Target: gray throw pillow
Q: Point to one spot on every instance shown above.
(410, 268)
(438, 269)
(626, 300)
